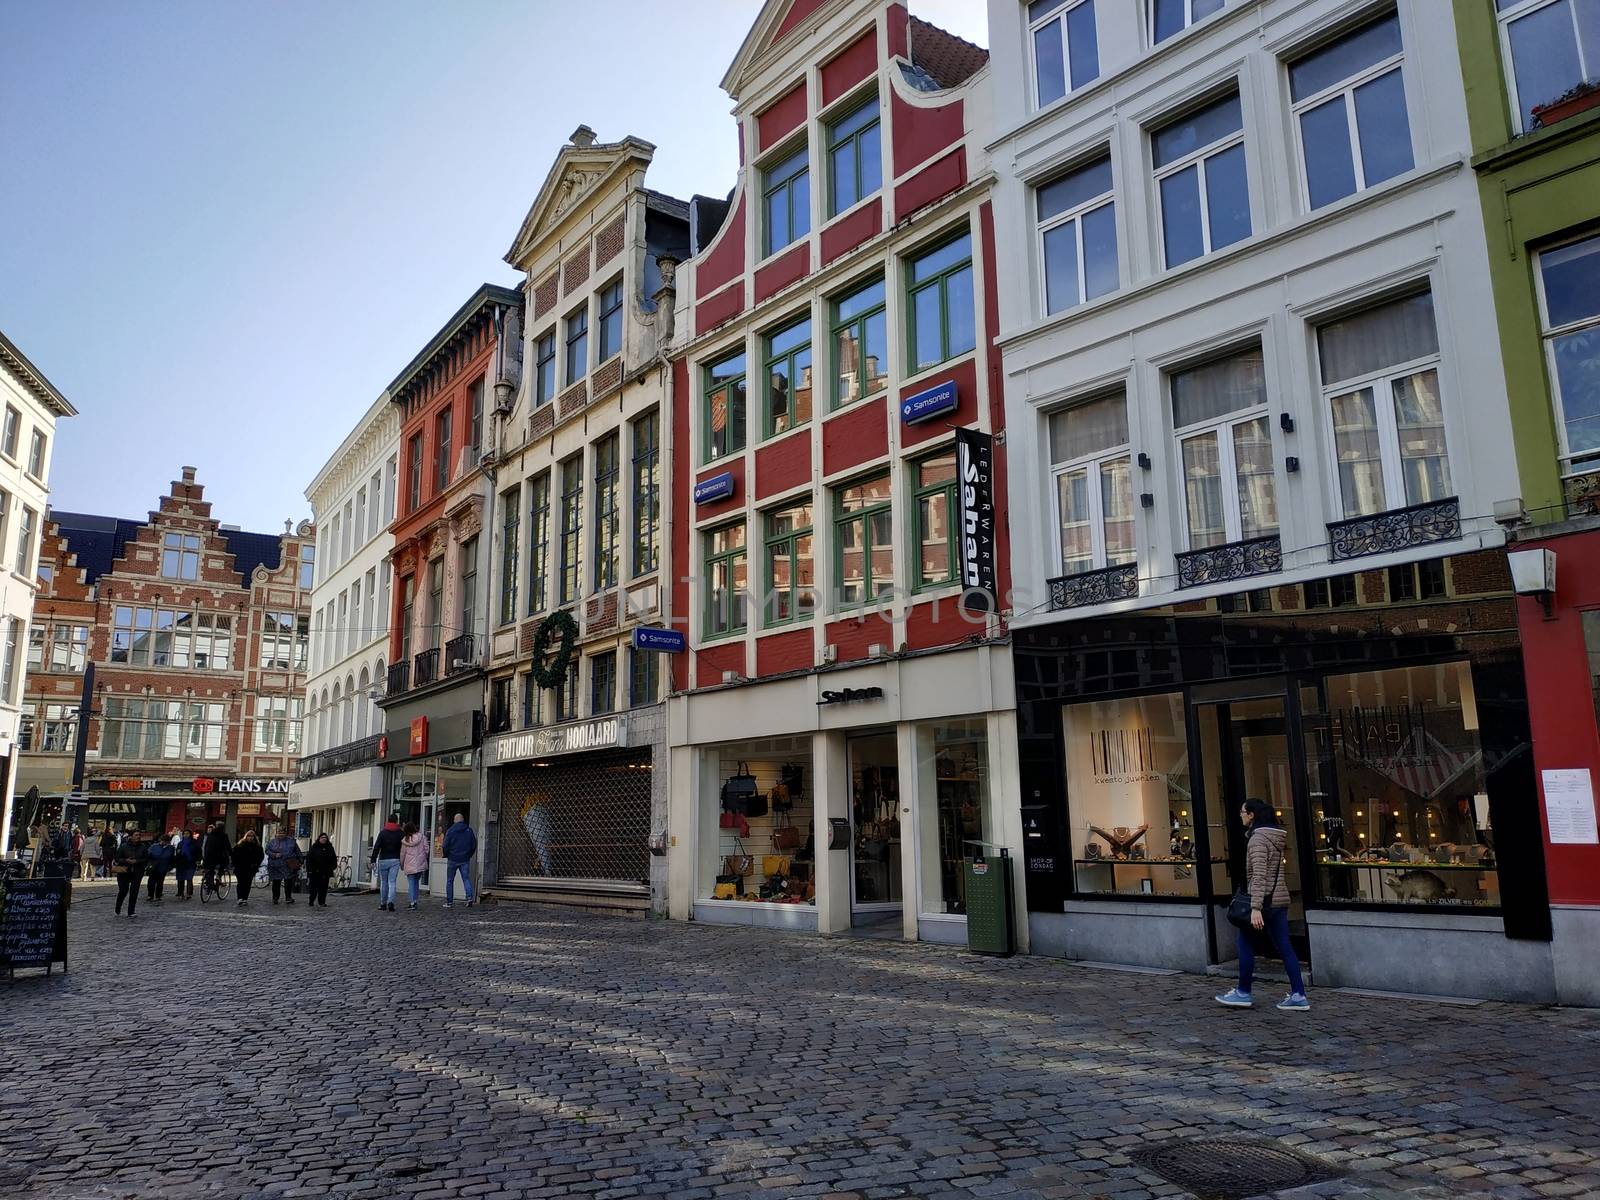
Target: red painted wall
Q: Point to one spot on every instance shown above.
(790, 266)
(899, 31)
(798, 11)
(855, 435)
(733, 466)
(920, 133)
(783, 464)
(1561, 705)
(936, 180)
(965, 374)
(940, 623)
(850, 66)
(725, 260)
(849, 231)
(997, 397)
(714, 310)
(781, 118)
(789, 651)
(853, 635)
(712, 661)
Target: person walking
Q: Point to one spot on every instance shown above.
(386, 861)
(129, 866)
(414, 862)
(1269, 907)
(283, 865)
(217, 855)
(185, 857)
(247, 856)
(108, 850)
(321, 863)
(158, 861)
(460, 844)
(89, 855)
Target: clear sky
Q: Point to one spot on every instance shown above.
(227, 226)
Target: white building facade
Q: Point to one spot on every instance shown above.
(1250, 366)
(340, 781)
(27, 440)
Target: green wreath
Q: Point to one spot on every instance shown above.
(558, 624)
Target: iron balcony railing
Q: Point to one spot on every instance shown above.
(1235, 560)
(399, 679)
(1397, 529)
(339, 758)
(425, 668)
(1120, 582)
(458, 655)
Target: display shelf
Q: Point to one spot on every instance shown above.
(1380, 865)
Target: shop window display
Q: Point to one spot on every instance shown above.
(953, 768)
(1129, 796)
(1396, 786)
(764, 849)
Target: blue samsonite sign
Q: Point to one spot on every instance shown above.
(646, 637)
(716, 487)
(929, 403)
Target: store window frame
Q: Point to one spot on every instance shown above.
(786, 182)
(864, 514)
(792, 360)
(1572, 462)
(726, 613)
(867, 301)
(946, 283)
(1093, 465)
(801, 598)
(733, 386)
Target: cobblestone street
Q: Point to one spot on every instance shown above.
(516, 1051)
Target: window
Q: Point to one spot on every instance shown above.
(369, 628)
(1569, 309)
(934, 481)
(1225, 450)
(1091, 463)
(1380, 382)
(341, 642)
(348, 532)
(408, 608)
(790, 573)
(510, 534)
(414, 483)
(644, 677)
(441, 451)
(381, 626)
(13, 430)
(860, 344)
(360, 524)
(538, 541)
(375, 505)
(544, 372)
(8, 667)
(283, 642)
(435, 602)
(646, 493)
(532, 694)
(567, 693)
(25, 525)
(610, 330)
(603, 683)
(1205, 199)
(46, 573)
(145, 729)
(863, 541)
(69, 648)
(725, 390)
(571, 527)
(786, 200)
(577, 345)
(37, 637)
(474, 423)
(1078, 235)
(180, 552)
(855, 157)
(390, 488)
(726, 580)
(788, 377)
(607, 510)
(1417, 580)
(56, 731)
(36, 450)
(1349, 105)
(500, 705)
(1168, 17)
(469, 586)
(1549, 46)
(308, 564)
(940, 304)
(1065, 53)
(278, 724)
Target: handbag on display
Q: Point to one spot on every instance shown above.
(800, 872)
(737, 790)
(774, 864)
(782, 801)
(755, 805)
(793, 777)
(735, 821)
(786, 837)
(725, 891)
(739, 864)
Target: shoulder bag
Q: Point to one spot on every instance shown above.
(1240, 907)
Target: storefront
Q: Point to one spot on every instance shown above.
(430, 774)
(580, 809)
(1383, 715)
(847, 798)
(156, 805)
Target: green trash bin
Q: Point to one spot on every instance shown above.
(991, 928)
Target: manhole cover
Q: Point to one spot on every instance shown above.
(1232, 1168)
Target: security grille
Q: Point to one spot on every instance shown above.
(583, 818)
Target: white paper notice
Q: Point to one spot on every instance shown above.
(1569, 807)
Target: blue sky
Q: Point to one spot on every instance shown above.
(230, 225)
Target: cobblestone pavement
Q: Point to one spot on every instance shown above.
(515, 1051)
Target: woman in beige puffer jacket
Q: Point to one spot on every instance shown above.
(1269, 907)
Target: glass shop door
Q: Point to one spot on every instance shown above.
(875, 841)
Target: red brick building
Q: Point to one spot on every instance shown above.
(197, 633)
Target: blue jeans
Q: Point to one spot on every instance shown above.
(388, 875)
(1277, 928)
(450, 881)
(413, 884)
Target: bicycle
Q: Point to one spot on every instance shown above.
(341, 875)
(215, 885)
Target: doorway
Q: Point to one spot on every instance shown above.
(1246, 752)
(873, 761)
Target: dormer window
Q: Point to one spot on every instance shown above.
(786, 200)
(180, 556)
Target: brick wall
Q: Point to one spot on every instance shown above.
(608, 243)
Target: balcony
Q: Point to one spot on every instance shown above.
(1582, 494)
(1234, 560)
(425, 667)
(1120, 582)
(459, 655)
(340, 758)
(1397, 529)
(399, 679)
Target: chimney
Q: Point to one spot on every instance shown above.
(582, 137)
(188, 474)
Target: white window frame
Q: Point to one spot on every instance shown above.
(1504, 21)
(1189, 20)
(1548, 336)
(1227, 465)
(1347, 88)
(1093, 464)
(1059, 13)
(1195, 158)
(1040, 228)
(1382, 384)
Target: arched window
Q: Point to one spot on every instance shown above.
(324, 727)
(380, 681)
(347, 714)
(363, 704)
(333, 724)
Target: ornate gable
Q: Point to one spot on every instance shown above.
(582, 167)
(777, 19)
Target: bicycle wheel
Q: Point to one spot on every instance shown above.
(224, 884)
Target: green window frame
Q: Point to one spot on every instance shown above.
(725, 406)
(787, 377)
(855, 157)
(607, 510)
(789, 576)
(859, 337)
(934, 517)
(646, 494)
(644, 672)
(941, 312)
(786, 200)
(538, 542)
(863, 534)
(727, 582)
(571, 528)
(510, 530)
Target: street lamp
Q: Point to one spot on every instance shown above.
(1533, 573)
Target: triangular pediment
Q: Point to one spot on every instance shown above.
(577, 172)
(777, 19)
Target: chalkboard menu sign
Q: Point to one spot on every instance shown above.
(33, 923)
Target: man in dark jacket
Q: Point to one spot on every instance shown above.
(108, 850)
(132, 858)
(460, 844)
(217, 856)
(158, 862)
(247, 856)
(386, 861)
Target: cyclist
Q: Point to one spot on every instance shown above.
(321, 862)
